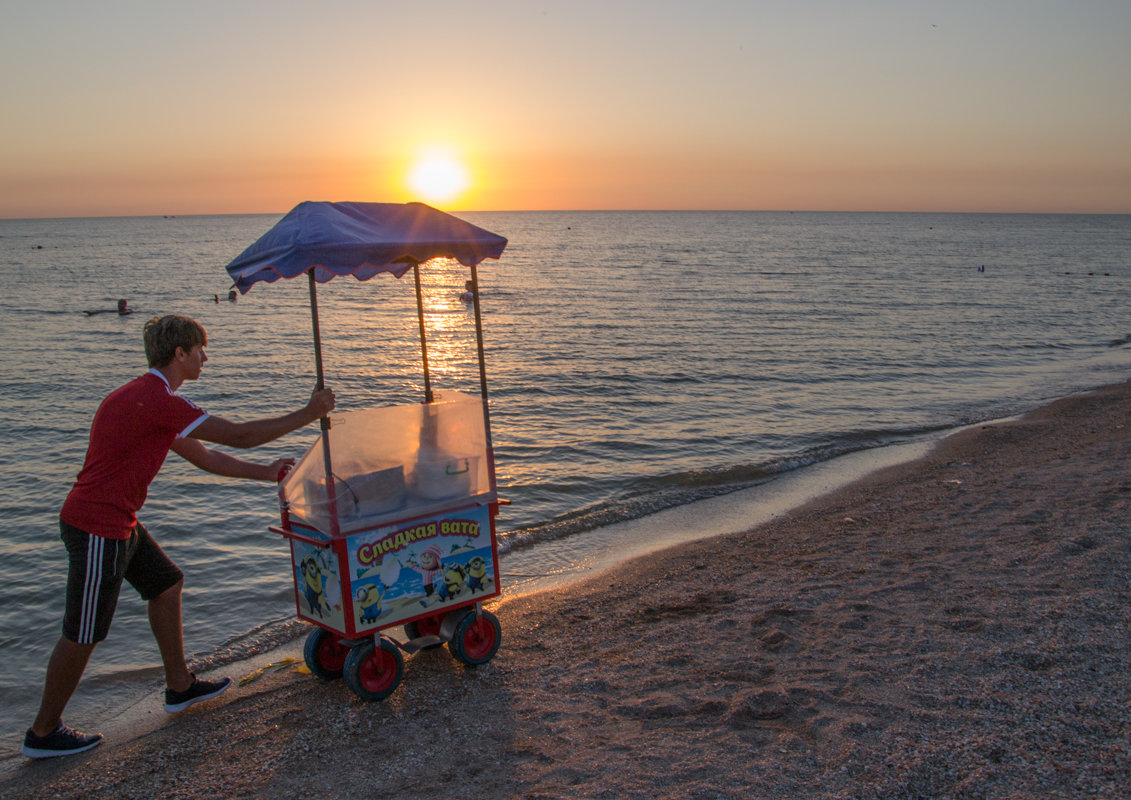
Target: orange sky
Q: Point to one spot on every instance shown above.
(254, 106)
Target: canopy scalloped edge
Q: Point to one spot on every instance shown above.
(360, 239)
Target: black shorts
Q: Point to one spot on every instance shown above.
(97, 567)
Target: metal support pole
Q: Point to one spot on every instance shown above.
(482, 374)
(423, 339)
(324, 422)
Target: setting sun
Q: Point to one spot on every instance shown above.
(438, 178)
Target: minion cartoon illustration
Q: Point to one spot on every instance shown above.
(453, 582)
(476, 572)
(369, 599)
(312, 587)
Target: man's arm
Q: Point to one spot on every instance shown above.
(261, 431)
(219, 463)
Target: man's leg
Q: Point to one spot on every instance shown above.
(159, 580)
(94, 576)
(64, 671)
(165, 621)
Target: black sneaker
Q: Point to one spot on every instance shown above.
(200, 690)
(62, 741)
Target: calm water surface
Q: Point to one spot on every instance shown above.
(636, 361)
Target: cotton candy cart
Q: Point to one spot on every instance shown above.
(390, 515)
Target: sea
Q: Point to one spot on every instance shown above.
(639, 364)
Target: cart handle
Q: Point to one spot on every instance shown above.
(293, 534)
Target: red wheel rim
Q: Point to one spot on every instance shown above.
(331, 655)
(429, 626)
(378, 671)
(479, 639)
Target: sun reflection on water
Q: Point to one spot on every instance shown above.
(372, 336)
(449, 321)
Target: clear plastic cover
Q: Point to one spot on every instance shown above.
(394, 462)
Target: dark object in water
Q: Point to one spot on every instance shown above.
(121, 310)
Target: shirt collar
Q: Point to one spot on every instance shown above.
(161, 375)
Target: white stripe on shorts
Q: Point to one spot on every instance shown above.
(89, 614)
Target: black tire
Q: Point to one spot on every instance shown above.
(374, 673)
(325, 656)
(476, 638)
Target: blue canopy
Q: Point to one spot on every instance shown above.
(360, 239)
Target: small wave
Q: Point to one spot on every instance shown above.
(654, 494)
(1120, 342)
(602, 515)
(258, 640)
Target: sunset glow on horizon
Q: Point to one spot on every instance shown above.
(820, 105)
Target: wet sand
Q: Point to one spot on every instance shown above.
(956, 626)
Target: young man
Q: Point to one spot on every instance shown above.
(133, 430)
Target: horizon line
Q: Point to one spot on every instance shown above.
(593, 211)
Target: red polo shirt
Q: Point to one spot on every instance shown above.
(131, 434)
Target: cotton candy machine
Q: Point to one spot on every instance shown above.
(390, 515)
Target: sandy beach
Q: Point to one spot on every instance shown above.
(956, 627)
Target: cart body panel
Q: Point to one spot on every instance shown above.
(396, 573)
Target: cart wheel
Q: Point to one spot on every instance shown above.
(372, 672)
(324, 654)
(429, 626)
(476, 639)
